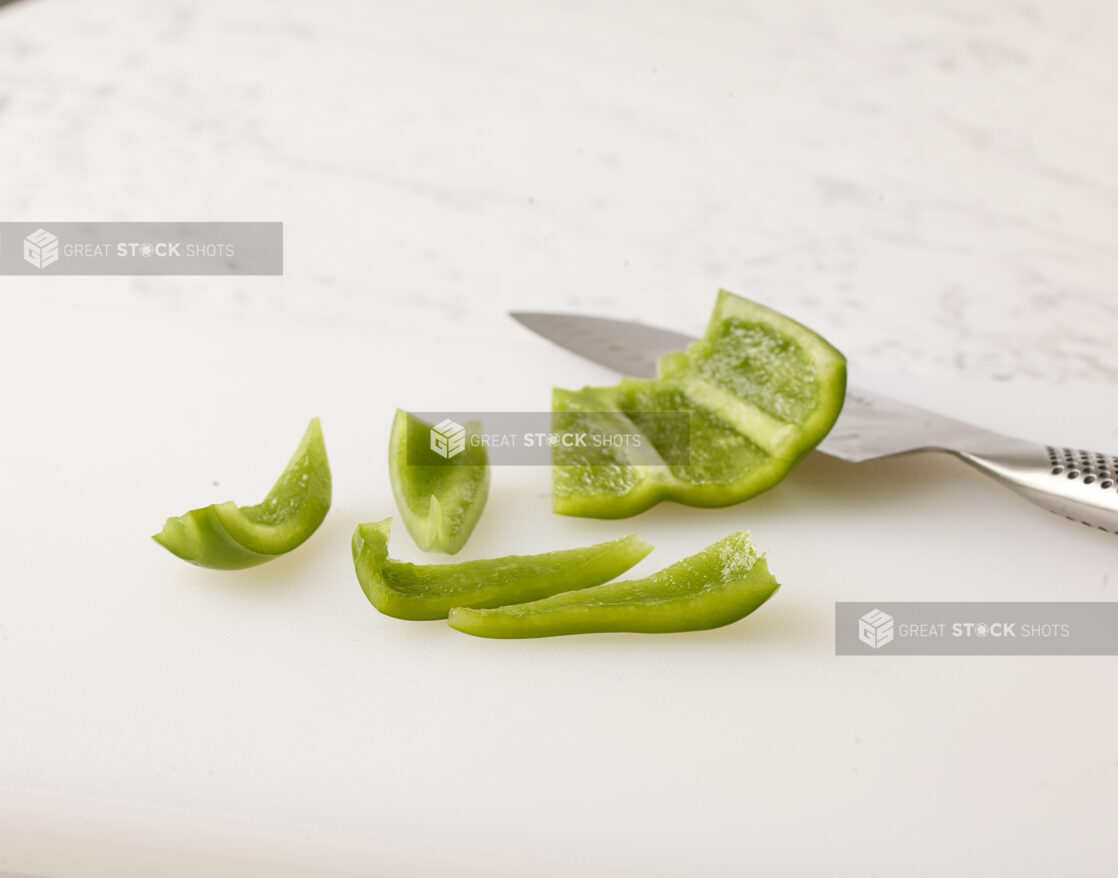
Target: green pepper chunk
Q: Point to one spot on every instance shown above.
(225, 536)
(721, 584)
(761, 391)
(441, 502)
(418, 591)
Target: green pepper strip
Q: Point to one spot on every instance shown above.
(440, 502)
(227, 537)
(413, 591)
(719, 585)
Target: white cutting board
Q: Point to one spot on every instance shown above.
(253, 722)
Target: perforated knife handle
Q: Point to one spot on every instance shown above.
(1080, 485)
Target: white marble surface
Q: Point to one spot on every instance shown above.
(933, 185)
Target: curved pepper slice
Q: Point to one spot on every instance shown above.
(761, 389)
(719, 585)
(225, 536)
(442, 502)
(413, 591)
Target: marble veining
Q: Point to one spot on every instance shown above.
(931, 184)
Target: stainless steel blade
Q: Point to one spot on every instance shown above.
(626, 347)
(869, 427)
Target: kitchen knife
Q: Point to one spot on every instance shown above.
(1080, 485)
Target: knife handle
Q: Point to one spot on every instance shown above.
(1079, 485)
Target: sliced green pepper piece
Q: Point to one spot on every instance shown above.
(719, 585)
(442, 502)
(761, 389)
(413, 591)
(225, 536)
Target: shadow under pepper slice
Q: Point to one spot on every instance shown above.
(719, 585)
(430, 591)
(761, 391)
(440, 502)
(225, 536)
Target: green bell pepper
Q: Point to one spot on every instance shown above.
(441, 502)
(761, 389)
(225, 536)
(719, 585)
(413, 591)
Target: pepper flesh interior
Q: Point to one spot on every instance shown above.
(717, 586)
(761, 391)
(224, 536)
(418, 591)
(442, 502)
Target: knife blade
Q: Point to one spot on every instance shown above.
(869, 427)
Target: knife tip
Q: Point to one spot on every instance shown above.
(525, 318)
